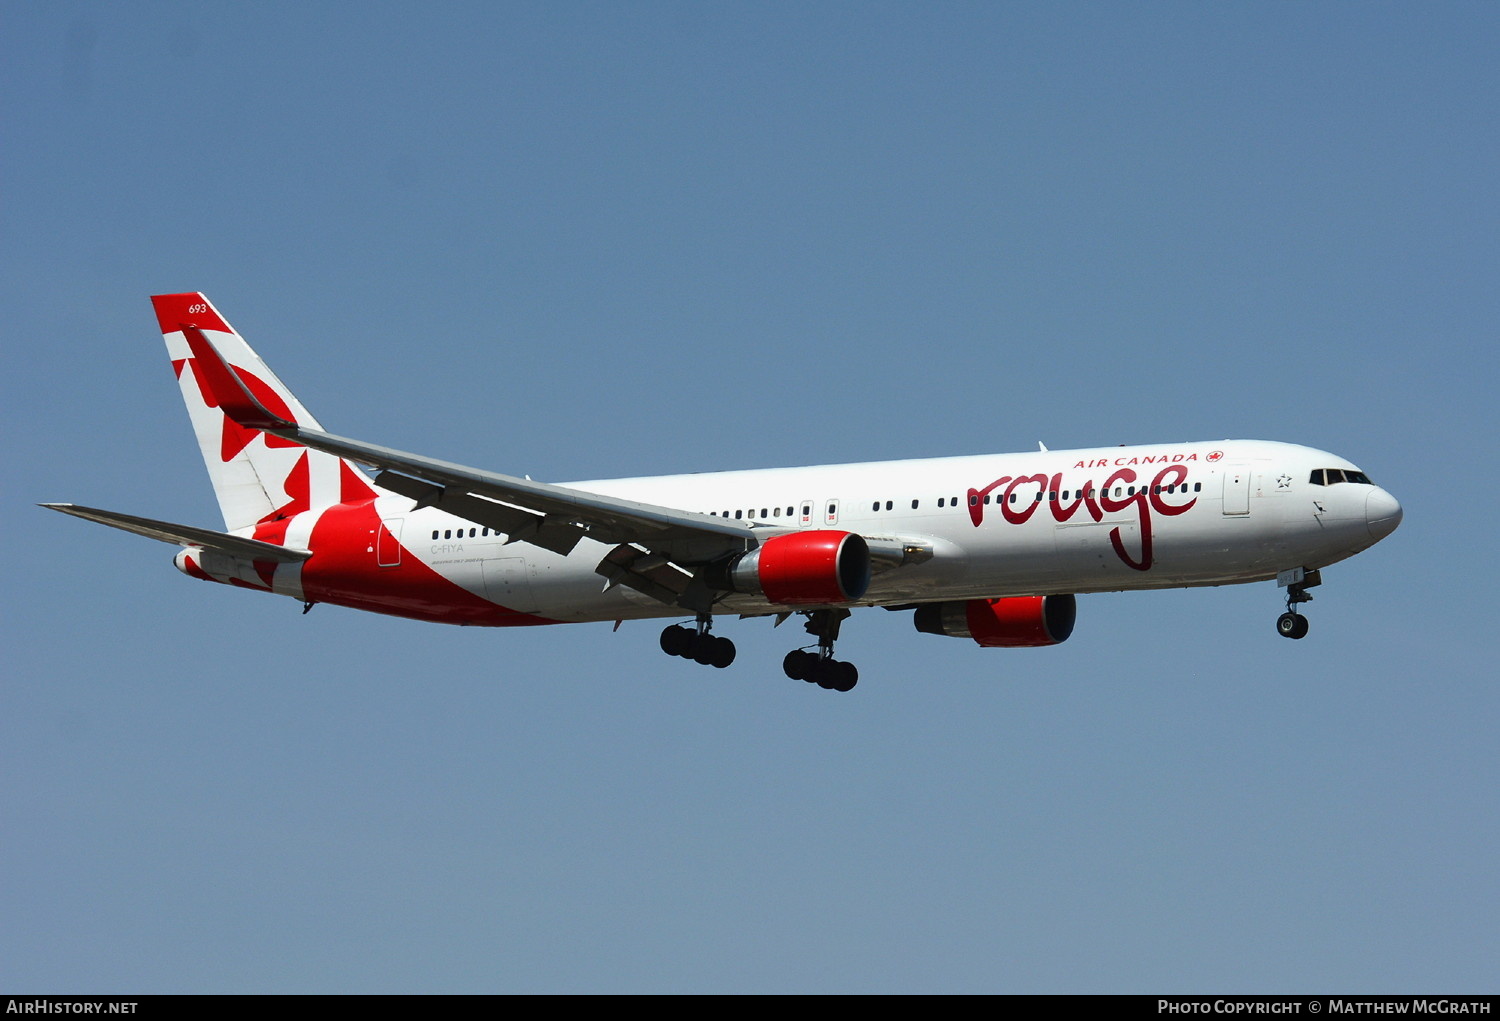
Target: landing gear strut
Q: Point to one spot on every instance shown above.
(697, 644)
(820, 667)
(1292, 624)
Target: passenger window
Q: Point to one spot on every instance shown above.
(940, 501)
(888, 505)
(914, 505)
(434, 533)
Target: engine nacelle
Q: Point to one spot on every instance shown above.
(803, 569)
(1013, 622)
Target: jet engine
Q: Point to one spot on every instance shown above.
(1012, 622)
(813, 568)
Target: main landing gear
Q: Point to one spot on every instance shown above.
(1292, 624)
(816, 667)
(820, 667)
(698, 645)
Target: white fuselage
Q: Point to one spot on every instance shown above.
(1075, 521)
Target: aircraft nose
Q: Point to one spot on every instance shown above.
(1382, 514)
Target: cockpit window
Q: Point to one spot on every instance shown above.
(1333, 476)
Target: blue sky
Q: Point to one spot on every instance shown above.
(587, 240)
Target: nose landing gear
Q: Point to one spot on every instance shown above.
(1297, 581)
(697, 644)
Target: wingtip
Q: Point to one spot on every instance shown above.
(229, 391)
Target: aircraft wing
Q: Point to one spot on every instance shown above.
(553, 517)
(185, 535)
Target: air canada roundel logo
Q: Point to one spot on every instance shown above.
(1217, 455)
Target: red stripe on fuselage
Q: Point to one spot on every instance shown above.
(343, 571)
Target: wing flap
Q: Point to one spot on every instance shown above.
(517, 524)
(654, 575)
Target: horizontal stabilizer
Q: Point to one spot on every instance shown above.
(185, 535)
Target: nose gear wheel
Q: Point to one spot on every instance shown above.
(1292, 624)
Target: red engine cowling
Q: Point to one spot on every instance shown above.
(804, 568)
(1013, 622)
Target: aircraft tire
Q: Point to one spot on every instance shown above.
(703, 651)
(675, 640)
(795, 665)
(1291, 625)
(722, 650)
(827, 674)
(845, 676)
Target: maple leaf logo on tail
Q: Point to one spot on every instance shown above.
(261, 480)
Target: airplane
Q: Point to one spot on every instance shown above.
(993, 548)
